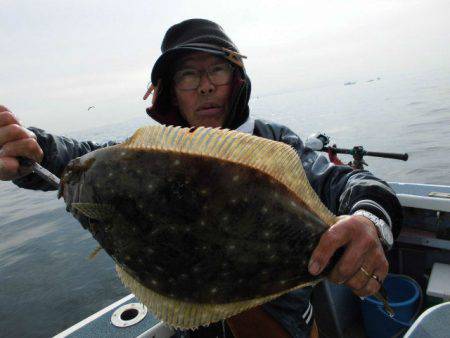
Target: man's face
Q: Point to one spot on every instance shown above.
(207, 105)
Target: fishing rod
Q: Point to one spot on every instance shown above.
(320, 141)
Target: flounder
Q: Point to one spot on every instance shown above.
(202, 223)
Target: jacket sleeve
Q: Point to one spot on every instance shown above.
(342, 189)
(58, 151)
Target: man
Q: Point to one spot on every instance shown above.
(200, 80)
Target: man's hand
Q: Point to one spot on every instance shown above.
(15, 141)
(363, 249)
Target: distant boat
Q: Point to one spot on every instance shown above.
(349, 83)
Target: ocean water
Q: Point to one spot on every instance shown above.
(46, 281)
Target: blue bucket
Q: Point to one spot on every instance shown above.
(404, 295)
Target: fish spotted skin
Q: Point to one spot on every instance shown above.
(193, 228)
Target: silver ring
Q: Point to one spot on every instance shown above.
(371, 275)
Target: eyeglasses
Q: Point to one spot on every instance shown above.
(189, 78)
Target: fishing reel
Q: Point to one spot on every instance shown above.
(317, 141)
(320, 141)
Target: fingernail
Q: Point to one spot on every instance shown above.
(314, 268)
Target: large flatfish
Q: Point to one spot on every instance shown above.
(202, 223)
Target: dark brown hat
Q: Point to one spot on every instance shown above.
(190, 36)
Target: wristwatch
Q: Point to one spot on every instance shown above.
(383, 229)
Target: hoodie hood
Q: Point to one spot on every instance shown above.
(192, 36)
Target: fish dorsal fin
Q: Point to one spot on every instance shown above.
(277, 159)
(95, 211)
(95, 252)
(184, 315)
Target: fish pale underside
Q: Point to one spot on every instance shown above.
(202, 223)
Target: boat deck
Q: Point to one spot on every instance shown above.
(99, 324)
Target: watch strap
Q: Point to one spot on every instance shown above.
(383, 229)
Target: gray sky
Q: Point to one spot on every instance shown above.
(57, 58)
